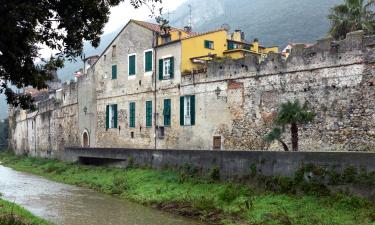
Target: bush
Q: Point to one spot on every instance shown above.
(120, 184)
(188, 171)
(231, 192)
(214, 174)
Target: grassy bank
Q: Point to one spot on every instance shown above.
(206, 199)
(12, 214)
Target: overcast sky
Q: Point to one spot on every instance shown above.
(122, 13)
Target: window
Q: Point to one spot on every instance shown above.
(232, 45)
(104, 58)
(217, 143)
(132, 114)
(167, 112)
(148, 113)
(132, 64)
(166, 38)
(209, 44)
(113, 51)
(148, 61)
(114, 72)
(166, 68)
(187, 110)
(111, 116)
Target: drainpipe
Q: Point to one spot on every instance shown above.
(154, 44)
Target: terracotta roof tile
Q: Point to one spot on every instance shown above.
(150, 26)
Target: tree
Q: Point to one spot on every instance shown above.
(293, 114)
(351, 16)
(61, 25)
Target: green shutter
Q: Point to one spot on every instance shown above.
(160, 69)
(132, 65)
(148, 61)
(230, 45)
(192, 109)
(148, 113)
(206, 44)
(132, 114)
(115, 116)
(171, 71)
(107, 117)
(114, 71)
(182, 110)
(167, 112)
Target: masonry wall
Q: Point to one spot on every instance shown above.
(125, 89)
(233, 165)
(337, 82)
(48, 130)
(236, 100)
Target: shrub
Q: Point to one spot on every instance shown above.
(119, 185)
(232, 191)
(214, 174)
(131, 163)
(188, 171)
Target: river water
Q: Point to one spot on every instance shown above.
(71, 205)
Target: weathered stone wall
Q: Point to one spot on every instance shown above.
(235, 100)
(125, 89)
(336, 78)
(49, 129)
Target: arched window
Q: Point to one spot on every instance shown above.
(85, 139)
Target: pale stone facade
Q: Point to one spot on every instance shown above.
(235, 100)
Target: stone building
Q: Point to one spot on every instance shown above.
(136, 96)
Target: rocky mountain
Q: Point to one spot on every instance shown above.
(273, 22)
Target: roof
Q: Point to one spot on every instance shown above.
(147, 25)
(195, 34)
(157, 28)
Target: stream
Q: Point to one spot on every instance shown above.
(71, 205)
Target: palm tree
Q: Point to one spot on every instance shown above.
(351, 16)
(275, 135)
(293, 114)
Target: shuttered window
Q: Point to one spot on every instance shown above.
(166, 68)
(111, 119)
(209, 44)
(114, 72)
(230, 45)
(167, 112)
(148, 113)
(187, 110)
(132, 65)
(148, 61)
(132, 114)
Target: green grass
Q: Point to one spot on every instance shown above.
(12, 214)
(215, 202)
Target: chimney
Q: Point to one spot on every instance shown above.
(256, 45)
(237, 36)
(188, 29)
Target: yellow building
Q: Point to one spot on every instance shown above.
(238, 47)
(198, 48)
